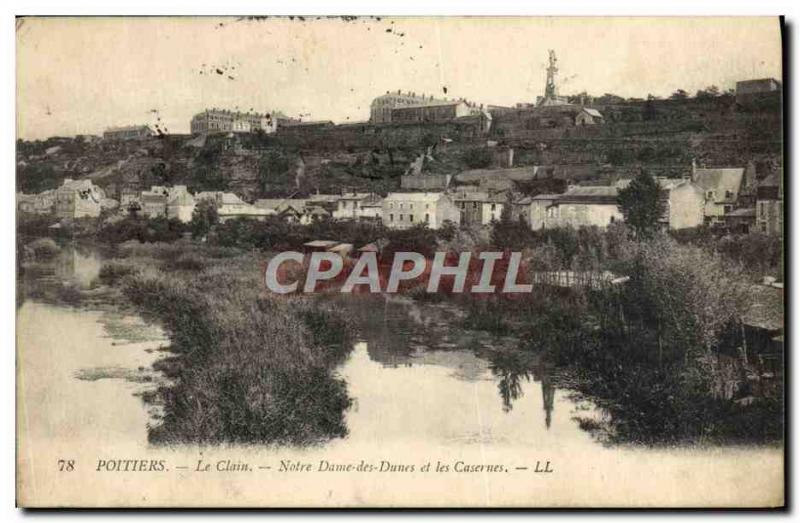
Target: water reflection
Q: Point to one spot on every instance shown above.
(398, 333)
(510, 368)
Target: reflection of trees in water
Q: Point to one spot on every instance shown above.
(393, 329)
(511, 368)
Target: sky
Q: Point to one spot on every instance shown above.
(82, 75)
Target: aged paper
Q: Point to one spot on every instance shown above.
(399, 262)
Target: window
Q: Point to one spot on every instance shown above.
(728, 208)
(401, 206)
(401, 217)
(427, 218)
(728, 195)
(391, 217)
(411, 217)
(411, 206)
(710, 195)
(494, 207)
(391, 206)
(427, 206)
(474, 205)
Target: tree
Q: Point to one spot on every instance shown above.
(680, 94)
(203, 218)
(648, 110)
(273, 169)
(478, 158)
(641, 204)
(708, 93)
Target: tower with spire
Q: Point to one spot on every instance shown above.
(551, 96)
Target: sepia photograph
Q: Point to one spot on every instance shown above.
(365, 262)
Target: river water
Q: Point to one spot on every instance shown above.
(422, 392)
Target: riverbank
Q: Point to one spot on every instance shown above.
(246, 367)
(656, 352)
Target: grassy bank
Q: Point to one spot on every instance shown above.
(649, 351)
(246, 367)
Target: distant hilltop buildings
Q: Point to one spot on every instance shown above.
(213, 121)
(409, 107)
(130, 132)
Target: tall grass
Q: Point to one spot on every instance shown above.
(251, 368)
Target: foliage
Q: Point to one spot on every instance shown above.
(114, 270)
(641, 204)
(680, 94)
(43, 248)
(204, 217)
(37, 177)
(478, 158)
(248, 368)
(160, 229)
(273, 168)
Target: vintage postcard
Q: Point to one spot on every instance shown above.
(359, 262)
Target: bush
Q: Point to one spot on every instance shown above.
(44, 248)
(250, 368)
(113, 271)
(189, 261)
(478, 158)
(143, 230)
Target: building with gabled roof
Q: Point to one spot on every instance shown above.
(130, 132)
(769, 205)
(357, 205)
(78, 199)
(402, 210)
(580, 206)
(721, 187)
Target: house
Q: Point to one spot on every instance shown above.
(763, 331)
(78, 199)
(478, 208)
(521, 209)
(538, 210)
(230, 206)
(433, 112)
(41, 203)
(769, 205)
(588, 116)
(721, 188)
(402, 210)
(741, 220)
(748, 91)
(181, 205)
(291, 210)
(580, 206)
(382, 106)
(358, 206)
(372, 208)
(131, 132)
(684, 203)
(153, 203)
(314, 213)
(215, 121)
(329, 202)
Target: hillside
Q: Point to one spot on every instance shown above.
(663, 136)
